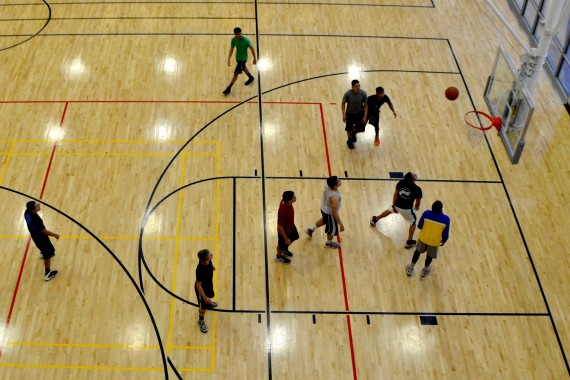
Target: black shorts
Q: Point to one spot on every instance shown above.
(48, 254)
(294, 235)
(240, 66)
(46, 248)
(331, 226)
(201, 302)
(374, 120)
(354, 122)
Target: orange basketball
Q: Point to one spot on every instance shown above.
(452, 93)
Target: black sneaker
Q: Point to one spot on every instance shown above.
(287, 253)
(354, 137)
(50, 275)
(410, 243)
(282, 260)
(227, 90)
(350, 143)
(249, 81)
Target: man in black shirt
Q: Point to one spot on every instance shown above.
(403, 203)
(374, 103)
(40, 236)
(204, 286)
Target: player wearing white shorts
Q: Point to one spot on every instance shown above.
(406, 194)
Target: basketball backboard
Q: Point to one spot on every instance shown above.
(507, 98)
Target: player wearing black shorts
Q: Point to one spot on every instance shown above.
(374, 103)
(354, 112)
(241, 43)
(204, 286)
(40, 235)
(286, 230)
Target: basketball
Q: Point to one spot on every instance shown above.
(452, 93)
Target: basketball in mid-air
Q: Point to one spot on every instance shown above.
(452, 93)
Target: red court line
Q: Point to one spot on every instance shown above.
(350, 340)
(18, 281)
(325, 138)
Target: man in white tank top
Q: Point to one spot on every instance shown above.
(330, 218)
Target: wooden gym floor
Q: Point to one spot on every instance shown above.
(113, 116)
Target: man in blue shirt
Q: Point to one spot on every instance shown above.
(434, 226)
(40, 235)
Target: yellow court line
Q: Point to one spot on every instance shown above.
(92, 345)
(104, 154)
(176, 253)
(7, 161)
(159, 238)
(216, 242)
(101, 345)
(102, 368)
(113, 141)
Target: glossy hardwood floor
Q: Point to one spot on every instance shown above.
(114, 118)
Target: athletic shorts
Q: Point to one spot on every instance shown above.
(375, 121)
(240, 66)
(408, 214)
(354, 122)
(421, 247)
(48, 254)
(294, 235)
(46, 249)
(331, 226)
(201, 302)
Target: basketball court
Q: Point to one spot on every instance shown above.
(114, 119)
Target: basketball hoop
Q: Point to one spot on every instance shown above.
(478, 122)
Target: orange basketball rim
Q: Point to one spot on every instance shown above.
(482, 121)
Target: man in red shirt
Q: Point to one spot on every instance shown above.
(286, 229)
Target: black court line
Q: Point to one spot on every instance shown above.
(391, 179)
(521, 233)
(369, 312)
(36, 34)
(226, 35)
(228, 2)
(268, 342)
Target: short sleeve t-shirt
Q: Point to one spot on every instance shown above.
(241, 47)
(204, 274)
(407, 193)
(374, 105)
(354, 102)
(36, 226)
(286, 217)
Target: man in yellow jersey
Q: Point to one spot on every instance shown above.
(434, 226)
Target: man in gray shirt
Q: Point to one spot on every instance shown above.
(354, 112)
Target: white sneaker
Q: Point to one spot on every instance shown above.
(409, 269)
(332, 244)
(426, 271)
(51, 274)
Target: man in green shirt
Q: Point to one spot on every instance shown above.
(241, 43)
